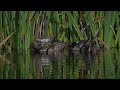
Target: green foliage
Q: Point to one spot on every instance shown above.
(68, 26)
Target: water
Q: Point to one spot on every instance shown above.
(102, 65)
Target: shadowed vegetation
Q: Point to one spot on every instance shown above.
(69, 26)
(105, 65)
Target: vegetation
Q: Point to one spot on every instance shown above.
(103, 66)
(19, 28)
(69, 26)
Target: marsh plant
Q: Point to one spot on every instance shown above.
(19, 28)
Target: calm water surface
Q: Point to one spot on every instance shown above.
(60, 65)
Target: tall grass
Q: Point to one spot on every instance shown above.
(68, 26)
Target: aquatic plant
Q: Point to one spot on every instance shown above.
(68, 26)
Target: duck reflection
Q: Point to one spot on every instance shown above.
(43, 60)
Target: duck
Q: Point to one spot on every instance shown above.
(46, 44)
(44, 39)
(35, 46)
(80, 45)
(39, 43)
(94, 49)
(53, 46)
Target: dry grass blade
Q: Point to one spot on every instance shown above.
(103, 43)
(6, 39)
(113, 32)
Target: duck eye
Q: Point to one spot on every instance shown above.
(37, 41)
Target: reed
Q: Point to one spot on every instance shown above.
(108, 34)
(109, 64)
(69, 25)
